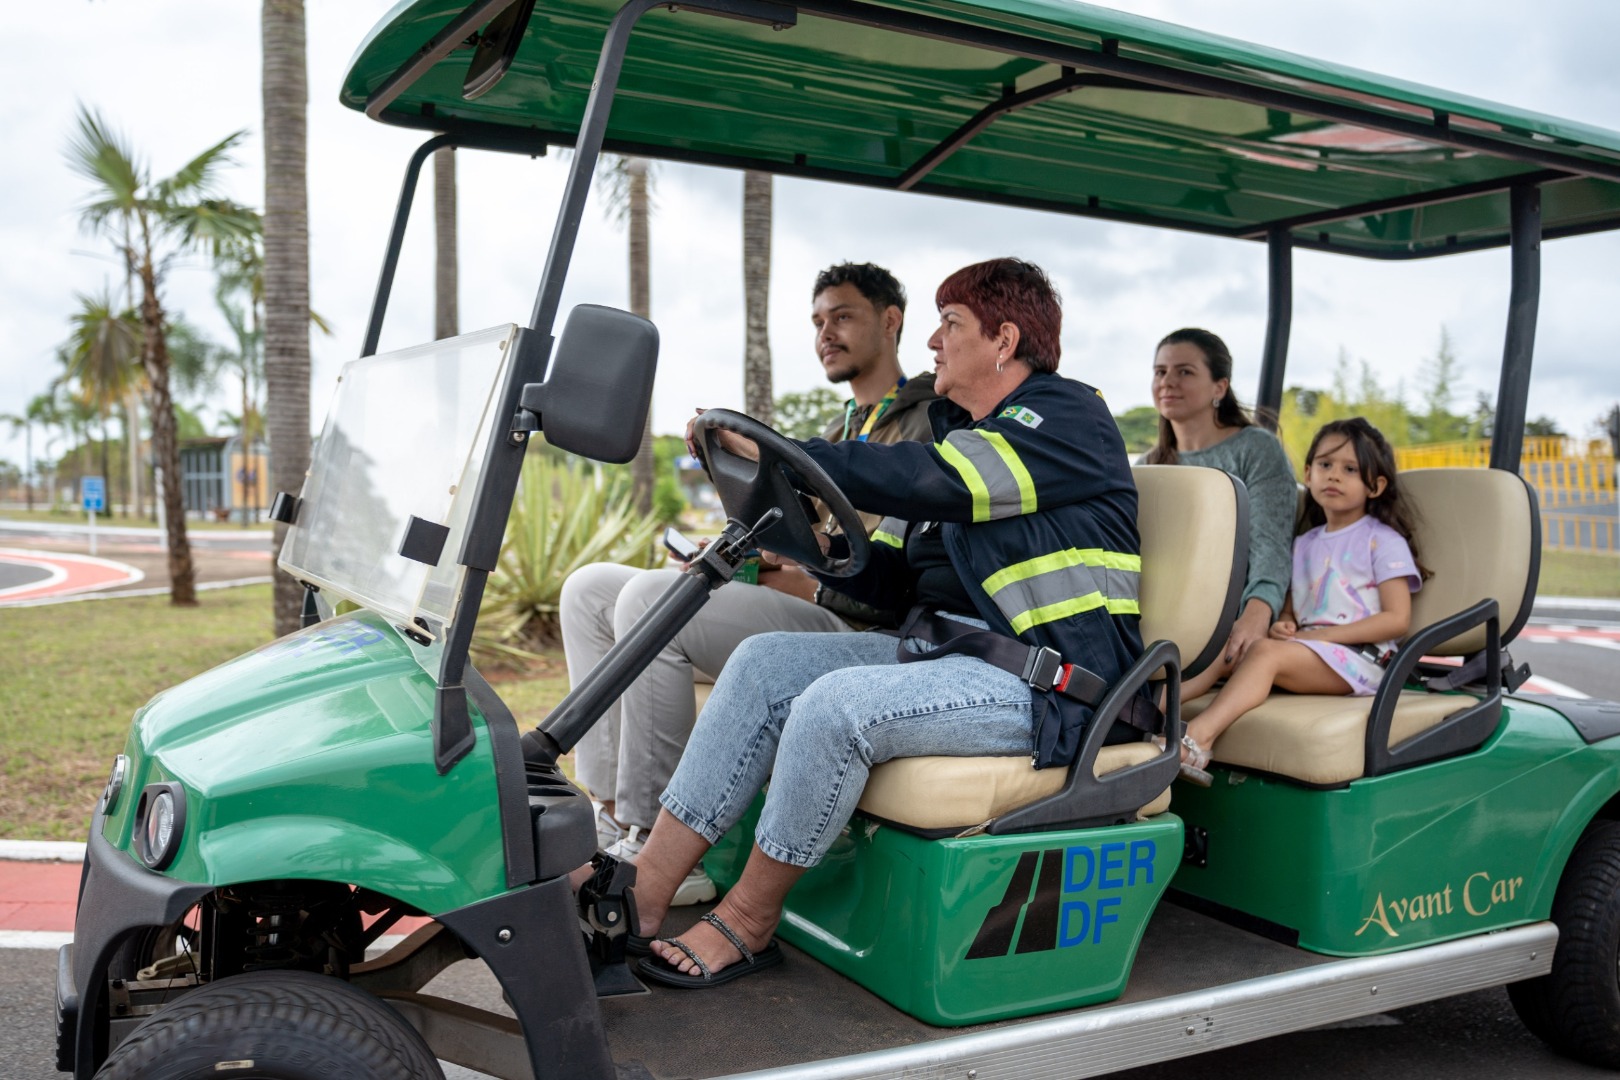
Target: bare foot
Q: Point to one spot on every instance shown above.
(755, 929)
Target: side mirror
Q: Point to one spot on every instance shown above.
(598, 388)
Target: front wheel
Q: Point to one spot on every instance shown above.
(1575, 1008)
(274, 1025)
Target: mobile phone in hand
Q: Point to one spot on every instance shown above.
(679, 545)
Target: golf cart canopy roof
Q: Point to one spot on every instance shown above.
(1040, 103)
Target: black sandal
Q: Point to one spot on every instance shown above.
(660, 970)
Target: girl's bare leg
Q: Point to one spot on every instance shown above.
(1205, 680)
(752, 909)
(1288, 664)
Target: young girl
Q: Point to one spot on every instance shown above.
(1351, 597)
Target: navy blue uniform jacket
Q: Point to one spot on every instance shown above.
(1038, 513)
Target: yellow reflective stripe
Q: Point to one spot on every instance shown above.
(1058, 560)
(1123, 607)
(1061, 610)
(881, 537)
(1026, 485)
(970, 476)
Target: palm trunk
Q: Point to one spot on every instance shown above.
(28, 466)
(756, 294)
(643, 466)
(132, 454)
(446, 316)
(286, 270)
(165, 444)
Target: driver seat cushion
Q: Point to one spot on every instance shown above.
(959, 793)
(1188, 520)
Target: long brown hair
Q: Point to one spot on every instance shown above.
(1218, 359)
(1375, 459)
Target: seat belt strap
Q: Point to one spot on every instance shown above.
(1041, 666)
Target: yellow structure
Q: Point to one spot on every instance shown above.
(1574, 481)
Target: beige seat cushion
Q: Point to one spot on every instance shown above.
(958, 793)
(1188, 519)
(1474, 530)
(1319, 739)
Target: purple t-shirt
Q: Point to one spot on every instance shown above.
(1337, 574)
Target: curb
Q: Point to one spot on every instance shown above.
(162, 590)
(42, 850)
(1590, 603)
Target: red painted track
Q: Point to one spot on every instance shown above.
(69, 574)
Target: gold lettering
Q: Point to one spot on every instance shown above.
(1380, 917)
(1468, 903)
(1448, 899)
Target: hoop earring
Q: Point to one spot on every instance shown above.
(1001, 361)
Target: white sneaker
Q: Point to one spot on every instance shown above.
(698, 888)
(608, 831)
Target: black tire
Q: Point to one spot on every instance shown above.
(1575, 1008)
(291, 1025)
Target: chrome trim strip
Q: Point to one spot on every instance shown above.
(1110, 1038)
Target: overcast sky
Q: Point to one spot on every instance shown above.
(177, 75)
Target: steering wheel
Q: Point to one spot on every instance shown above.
(781, 478)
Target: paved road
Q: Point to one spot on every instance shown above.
(129, 536)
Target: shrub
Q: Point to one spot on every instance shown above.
(566, 514)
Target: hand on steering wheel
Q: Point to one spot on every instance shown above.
(754, 469)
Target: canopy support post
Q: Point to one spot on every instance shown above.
(1524, 299)
(1279, 321)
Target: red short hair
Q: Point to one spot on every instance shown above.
(1011, 291)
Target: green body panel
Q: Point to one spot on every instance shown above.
(967, 930)
(312, 758)
(836, 100)
(1449, 849)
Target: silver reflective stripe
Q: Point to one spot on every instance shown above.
(890, 531)
(989, 466)
(1065, 583)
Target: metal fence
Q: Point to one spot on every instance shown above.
(1574, 481)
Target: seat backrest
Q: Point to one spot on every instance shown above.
(1480, 534)
(1194, 527)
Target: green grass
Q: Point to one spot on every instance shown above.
(71, 676)
(1576, 573)
(79, 517)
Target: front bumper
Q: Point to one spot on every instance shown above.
(116, 896)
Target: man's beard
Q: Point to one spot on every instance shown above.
(844, 369)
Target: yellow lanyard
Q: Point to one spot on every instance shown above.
(877, 412)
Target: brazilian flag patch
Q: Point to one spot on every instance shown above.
(1027, 417)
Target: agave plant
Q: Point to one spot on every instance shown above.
(566, 515)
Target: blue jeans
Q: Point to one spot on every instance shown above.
(813, 713)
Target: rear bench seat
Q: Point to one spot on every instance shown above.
(1479, 532)
(1194, 532)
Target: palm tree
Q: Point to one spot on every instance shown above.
(41, 410)
(446, 315)
(756, 294)
(103, 356)
(151, 222)
(626, 185)
(286, 269)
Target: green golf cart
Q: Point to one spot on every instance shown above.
(271, 821)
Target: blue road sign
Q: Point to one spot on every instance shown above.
(93, 493)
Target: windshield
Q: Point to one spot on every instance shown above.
(404, 437)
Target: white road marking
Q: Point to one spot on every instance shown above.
(1595, 642)
(1540, 684)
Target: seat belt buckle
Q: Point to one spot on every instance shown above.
(1044, 668)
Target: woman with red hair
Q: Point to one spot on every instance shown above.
(1011, 536)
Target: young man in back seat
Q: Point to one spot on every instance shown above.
(625, 761)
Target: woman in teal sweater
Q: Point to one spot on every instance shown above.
(1201, 423)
